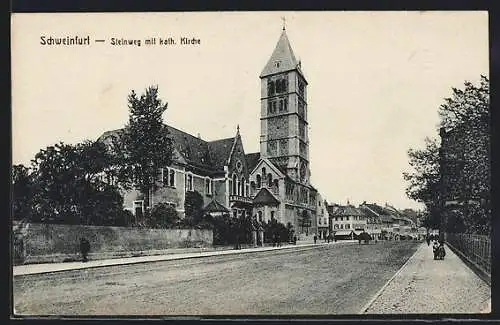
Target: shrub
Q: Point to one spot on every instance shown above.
(163, 216)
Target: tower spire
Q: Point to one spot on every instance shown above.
(284, 22)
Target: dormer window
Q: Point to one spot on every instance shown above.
(277, 64)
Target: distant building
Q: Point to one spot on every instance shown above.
(347, 218)
(323, 220)
(387, 220)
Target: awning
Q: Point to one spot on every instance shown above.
(343, 233)
(357, 232)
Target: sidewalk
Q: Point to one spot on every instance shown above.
(58, 267)
(426, 286)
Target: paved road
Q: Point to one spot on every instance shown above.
(428, 286)
(329, 279)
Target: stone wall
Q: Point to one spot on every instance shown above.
(55, 243)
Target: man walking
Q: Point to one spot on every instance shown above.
(84, 248)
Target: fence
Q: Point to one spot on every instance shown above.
(476, 248)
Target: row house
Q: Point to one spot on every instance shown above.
(347, 218)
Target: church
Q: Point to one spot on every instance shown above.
(273, 183)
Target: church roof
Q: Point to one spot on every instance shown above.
(252, 160)
(220, 151)
(283, 54)
(206, 156)
(265, 197)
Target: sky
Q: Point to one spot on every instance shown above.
(376, 81)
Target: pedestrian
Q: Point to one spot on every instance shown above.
(84, 248)
(315, 238)
(295, 240)
(428, 239)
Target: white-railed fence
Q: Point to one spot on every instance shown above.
(476, 248)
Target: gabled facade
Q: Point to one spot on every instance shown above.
(273, 183)
(208, 167)
(347, 218)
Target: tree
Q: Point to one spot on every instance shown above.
(22, 192)
(67, 185)
(465, 159)
(193, 208)
(145, 145)
(424, 180)
(472, 103)
(457, 170)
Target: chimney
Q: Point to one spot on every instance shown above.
(199, 136)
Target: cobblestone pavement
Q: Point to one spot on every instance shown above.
(322, 280)
(425, 285)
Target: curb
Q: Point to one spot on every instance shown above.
(172, 258)
(375, 297)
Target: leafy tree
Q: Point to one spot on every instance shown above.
(465, 161)
(67, 185)
(164, 216)
(457, 170)
(471, 103)
(424, 180)
(222, 231)
(22, 192)
(193, 208)
(145, 145)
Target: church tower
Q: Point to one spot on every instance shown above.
(284, 137)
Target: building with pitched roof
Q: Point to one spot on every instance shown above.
(347, 217)
(271, 184)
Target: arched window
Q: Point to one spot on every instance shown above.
(270, 88)
(243, 186)
(235, 185)
(252, 185)
(264, 172)
(275, 183)
(260, 216)
(336, 226)
(269, 180)
(259, 182)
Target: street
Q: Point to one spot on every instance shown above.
(327, 279)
